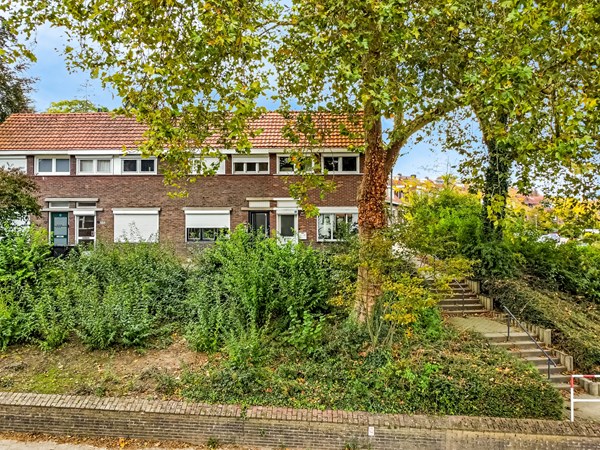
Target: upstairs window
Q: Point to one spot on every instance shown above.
(132, 166)
(285, 164)
(94, 166)
(53, 166)
(250, 164)
(341, 164)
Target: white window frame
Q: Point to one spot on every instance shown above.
(340, 156)
(84, 213)
(95, 163)
(14, 162)
(205, 212)
(293, 171)
(333, 212)
(287, 212)
(138, 165)
(208, 162)
(53, 158)
(250, 159)
(137, 211)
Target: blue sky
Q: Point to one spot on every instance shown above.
(56, 83)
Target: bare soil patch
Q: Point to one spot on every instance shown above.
(72, 369)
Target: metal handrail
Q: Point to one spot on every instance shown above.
(549, 359)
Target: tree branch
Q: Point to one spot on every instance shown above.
(403, 131)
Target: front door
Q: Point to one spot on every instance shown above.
(259, 220)
(59, 229)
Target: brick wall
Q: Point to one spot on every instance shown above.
(272, 428)
(225, 191)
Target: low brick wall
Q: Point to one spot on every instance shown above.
(276, 428)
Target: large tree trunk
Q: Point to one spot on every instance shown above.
(371, 211)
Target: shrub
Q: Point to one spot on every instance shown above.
(249, 282)
(450, 374)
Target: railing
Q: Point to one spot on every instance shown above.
(462, 294)
(581, 400)
(508, 319)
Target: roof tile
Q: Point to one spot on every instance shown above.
(103, 131)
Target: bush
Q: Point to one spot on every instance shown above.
(422, 374)
(248, 282)
(112, 295)
(570, 267)
(576, 327)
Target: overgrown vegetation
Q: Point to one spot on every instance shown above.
(555, 286)
(277, 321)
(575, 324)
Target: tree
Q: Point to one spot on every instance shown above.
(531, 89)
(74, 106)
(17, 197)
(14, 88)
(203, 73)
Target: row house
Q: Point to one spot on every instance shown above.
(94, 184)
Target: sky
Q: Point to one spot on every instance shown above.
(55, 82)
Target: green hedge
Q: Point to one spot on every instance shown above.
(576, 326)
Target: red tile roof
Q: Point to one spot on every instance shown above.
(103, 131)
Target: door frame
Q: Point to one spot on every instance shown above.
(51, 227)
(251, 222)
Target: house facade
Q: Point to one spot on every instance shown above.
(94, 185)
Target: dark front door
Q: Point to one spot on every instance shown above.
(59, 227)
(259, 220)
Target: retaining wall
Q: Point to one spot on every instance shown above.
(277, 428)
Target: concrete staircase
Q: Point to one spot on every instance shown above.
(461, 301)
(465, 306)
(521, 346)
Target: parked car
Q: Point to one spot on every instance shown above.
(553, 237)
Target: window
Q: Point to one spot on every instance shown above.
(341, 164)
(53, 166)
(86, 204)
(205, 225)
(86, 228)
(138, 166)
(251, 164)
(287, 226)
(285, 164)
(200, 166)
(136, 225)
(94, 166)
(332, 226)
(14, 163)
(58, 204)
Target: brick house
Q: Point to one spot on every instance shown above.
(93, 184)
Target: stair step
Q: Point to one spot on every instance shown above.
(555, 378)
(520, 345)
(461, 307)
(562, 386)
(539, 360)
(459, 301)
(553, 370)
(471, 313)
(523, 353)
(501, 337)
